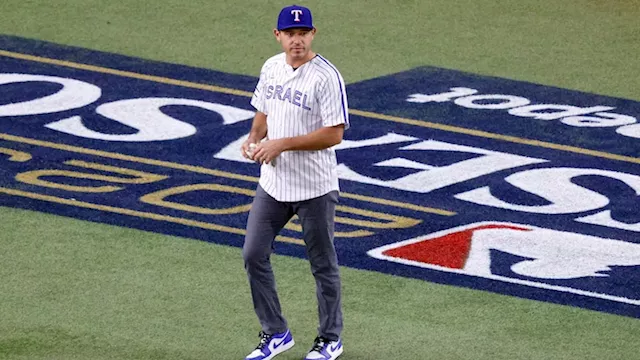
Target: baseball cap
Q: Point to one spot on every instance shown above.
(295, 16)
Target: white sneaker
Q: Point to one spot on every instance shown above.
(324, 349)
(271, 345)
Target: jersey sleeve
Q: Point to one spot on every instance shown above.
(334, 108)
(258, 101)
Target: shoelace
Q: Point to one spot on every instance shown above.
(319, 343)
(264, 340)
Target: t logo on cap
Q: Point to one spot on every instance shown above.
(296, 13)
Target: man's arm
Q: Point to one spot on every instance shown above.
(320, 139)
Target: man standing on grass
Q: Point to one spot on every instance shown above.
(302, 113)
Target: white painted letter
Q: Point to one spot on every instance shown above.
(497, 101)
(630, 131)
(443, 97)
(555, 186)
(145, 116)
(604, 219)
(431, 177)
(73, 95)
(606, 120)
(541, 111)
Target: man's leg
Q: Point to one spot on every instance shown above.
(266, 218)
(317, 219)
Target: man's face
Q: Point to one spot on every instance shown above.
(296, 43)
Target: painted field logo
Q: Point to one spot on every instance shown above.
(522, 254)
(155, 146)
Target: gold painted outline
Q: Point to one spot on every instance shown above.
(136, 213)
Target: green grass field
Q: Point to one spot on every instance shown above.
(71, 289)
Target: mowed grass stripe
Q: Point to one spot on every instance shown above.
(96, 291)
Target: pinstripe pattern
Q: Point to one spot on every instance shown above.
(297, 103)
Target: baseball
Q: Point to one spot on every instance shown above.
(249, 152)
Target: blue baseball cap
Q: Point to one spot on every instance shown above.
(295, 16)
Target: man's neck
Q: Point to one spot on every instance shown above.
(296, 63)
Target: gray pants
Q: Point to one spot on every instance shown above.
(266, 218)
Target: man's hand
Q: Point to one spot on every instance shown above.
(257, 133)
(267, 151)
(248, 149)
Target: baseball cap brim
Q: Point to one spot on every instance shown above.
(296, 26)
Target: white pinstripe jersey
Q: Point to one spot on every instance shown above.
(298, 102)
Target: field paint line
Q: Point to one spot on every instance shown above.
(206, 171)
(129, 74)
(135, 213)
(396, 119)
